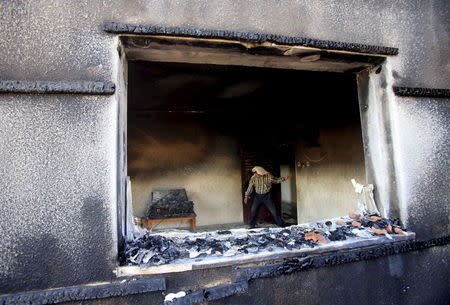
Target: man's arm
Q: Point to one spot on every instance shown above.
(280, 179)
(249, 191)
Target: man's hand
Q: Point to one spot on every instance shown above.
(246, 200)
(288, 177)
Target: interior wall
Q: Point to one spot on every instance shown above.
(323, 174)
(168, 151)
(288, 191)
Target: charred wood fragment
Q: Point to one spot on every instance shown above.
(57, 87)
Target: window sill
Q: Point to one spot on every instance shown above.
(183, 265)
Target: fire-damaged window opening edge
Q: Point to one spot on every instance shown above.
(130, 45)
(251, 44)
(265, 54)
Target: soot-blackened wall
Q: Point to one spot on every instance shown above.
(413, 278)
(63, 41)
(168, 151)
(58, 201)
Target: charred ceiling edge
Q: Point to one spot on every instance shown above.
(79, 293)
(421, 92)
(311, 262)
(57, 87)
(142, 29)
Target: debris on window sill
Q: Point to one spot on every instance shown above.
(178, 250)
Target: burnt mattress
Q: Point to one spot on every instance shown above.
(170, 203)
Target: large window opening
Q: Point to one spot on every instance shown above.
(199, 114)
(203, 128)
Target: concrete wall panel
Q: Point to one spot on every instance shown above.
(57, 171)
(60, 39)
(423, 161)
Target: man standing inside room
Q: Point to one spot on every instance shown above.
(262, 182)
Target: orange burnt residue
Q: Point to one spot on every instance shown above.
(378, 231)
(354, 216)
(399, 231)
(318, 238)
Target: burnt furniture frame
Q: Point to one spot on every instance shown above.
(148, 222)
(169, 205)
(193, 219)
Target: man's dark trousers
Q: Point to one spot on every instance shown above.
(267, 200)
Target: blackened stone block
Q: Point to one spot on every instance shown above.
(210, 294)
(421, 92)
(86, 292)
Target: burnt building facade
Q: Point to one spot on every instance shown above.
(92, 92)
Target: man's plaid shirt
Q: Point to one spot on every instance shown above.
(262, 184)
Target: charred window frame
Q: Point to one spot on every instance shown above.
(373, 94)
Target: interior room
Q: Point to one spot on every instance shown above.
(203, 127)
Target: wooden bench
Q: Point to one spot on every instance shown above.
(147, 222)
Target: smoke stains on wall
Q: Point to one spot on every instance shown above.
(167, 151)
(165, 141)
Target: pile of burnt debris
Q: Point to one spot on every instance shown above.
(149, 249)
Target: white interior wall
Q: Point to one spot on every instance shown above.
(324, 189)
(288, 190)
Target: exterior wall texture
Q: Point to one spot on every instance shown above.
(59, 152)
(58, 200)
(392, 280)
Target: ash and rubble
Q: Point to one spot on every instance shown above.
(171, 246)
